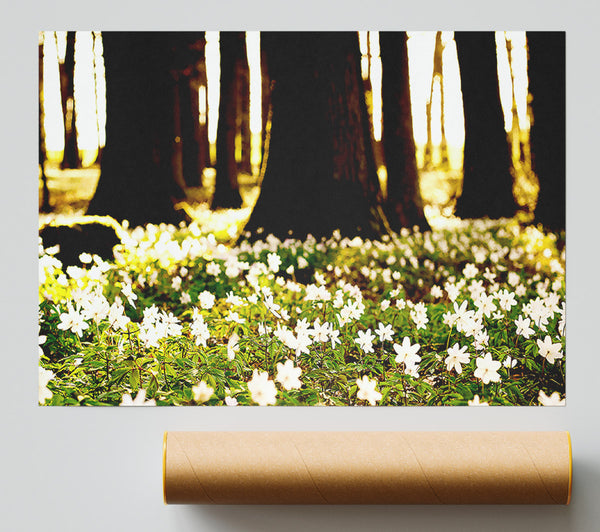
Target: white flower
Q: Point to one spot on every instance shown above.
(385, 332)
(456, 356)
(45, 376)
(365, 340)
(206, 299)
(262, 389)
(232, 346)
(463, 316)
(470, 270)
(477, 402)
(85, 258)
(235, 317)
(116, 316)
(452, 291)
(523, 328)
(233, 300)
(127, 291)
(407, 353)
(199, 329)
(72, 320)
(487, 369)
(334, 336)
(140, 400)
(176, 283)
(212, 268)
(485, 304)
(481, 339)
(366, 390)
(202, 392)
(288, 375)
(320, 333)
(230, 401)
(506, 300)
(553, 400)
(513, 278)
(509, 362)
(436, 292)
(41, 341)
(185, 298)
(548, 350)
(274, 261)
(272, 307)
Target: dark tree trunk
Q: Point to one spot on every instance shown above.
(320, 175)
(243, 106)
(265, 105)
(45, 199)
(404, 205)
(136, 181)
(177, 146)
(227, 194)
(548, 137)
(199, 83)
(190, 131)
(71, 157)
(487, 183)
(189, 49)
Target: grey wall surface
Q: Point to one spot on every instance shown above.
(99, 469)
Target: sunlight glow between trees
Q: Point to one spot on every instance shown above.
(90, 106)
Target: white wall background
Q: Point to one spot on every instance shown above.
(97, 469)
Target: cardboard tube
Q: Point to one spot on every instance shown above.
(367, 467)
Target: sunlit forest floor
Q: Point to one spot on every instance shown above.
(471, 313)
(71, 191)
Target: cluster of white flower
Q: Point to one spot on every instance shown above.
(491, 286)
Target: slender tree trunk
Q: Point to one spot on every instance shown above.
(265, 105)
(548, 137)
(404, 204)
(227, 192)
(45, 200)
(177, 140)
(243, 105)
(136, 180)
(201, 87)
(487, 182)
(71, 157)
(320, 174)
(189, 48)
(190, 131)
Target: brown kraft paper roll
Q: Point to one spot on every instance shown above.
(367, 467)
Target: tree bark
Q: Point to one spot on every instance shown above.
(265, 105)
(136, 181)
(487, 183)
(548, 137)
(243, 106)
(71, 157)
(404, 204)
(45, 199)
(320, 174)
(227, 194)
(199, 83)
(189, 50)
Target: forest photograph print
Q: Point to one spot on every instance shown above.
(302, 218)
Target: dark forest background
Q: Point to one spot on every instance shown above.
(319, 166)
